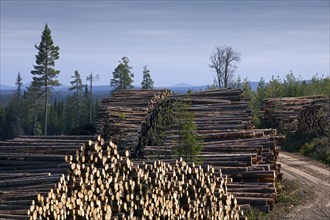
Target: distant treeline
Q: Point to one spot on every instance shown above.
(309, 143)
(289, 86)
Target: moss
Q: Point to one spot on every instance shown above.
(255, 214)
(122, 116)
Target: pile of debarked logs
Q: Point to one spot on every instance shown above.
(102, 184)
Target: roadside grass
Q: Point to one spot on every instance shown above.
(293, 194)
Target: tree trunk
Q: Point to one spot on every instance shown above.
(46, 99)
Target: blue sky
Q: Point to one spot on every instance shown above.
(174, 38)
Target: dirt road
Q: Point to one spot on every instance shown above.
(314, 176)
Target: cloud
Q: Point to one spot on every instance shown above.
(171, 36)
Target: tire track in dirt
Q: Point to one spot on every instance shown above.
(313, 176)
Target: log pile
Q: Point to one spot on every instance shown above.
(247, 155)
(102, 184)
(314, 118)
(120, 115)
(31, 165)
(282, 113)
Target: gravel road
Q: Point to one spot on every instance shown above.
(313, 175)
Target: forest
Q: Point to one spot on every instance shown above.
(309, 142)
(36, 111)
(222, 134)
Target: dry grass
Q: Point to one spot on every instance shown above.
(294, 194)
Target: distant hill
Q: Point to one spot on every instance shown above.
(181, 87)
(101, 91)
(254, 85)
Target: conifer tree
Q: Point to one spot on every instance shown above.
(189, 143)
(77, 87)
(15, 115)
(122, 76)
(147, 82)
(44, 73)
(260, 93)
(91, 79)
(274, 88)
(33, 101)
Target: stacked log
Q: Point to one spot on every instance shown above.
(30, 165)
(230, 143)
(120, 116)
(314, 118)
(250, 163)
(282, 113)
(102, 184)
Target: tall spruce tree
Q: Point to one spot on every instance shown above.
(188, 143)
(17, 108)
(44, 73)
(147, 82)
(122, 76)
(91, 79)
(77, 87)
(274, 88)
(260, 93)
(33, 101)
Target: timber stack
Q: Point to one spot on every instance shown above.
(30, 165)
(230, 143)
(102, 184)
(314, 118)
(283, 113)
(120, 116)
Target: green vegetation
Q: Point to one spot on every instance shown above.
(122, 116)
(174, 117)
(122, 76)
(317, 148)
(294, 194)
(188, 144)
(77, 87)
(30, 111)
(147, 82)
(44, 73)
(311, 143)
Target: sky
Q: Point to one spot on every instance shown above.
(174, 38)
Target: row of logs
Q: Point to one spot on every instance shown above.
(230, 143)
(314, 118)
(288, 114)
(102, 184)
(30, 165)
(120, 115)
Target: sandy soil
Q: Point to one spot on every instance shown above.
(312, 175)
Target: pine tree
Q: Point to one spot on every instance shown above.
(291, 85)
(44, 73)
(33, 103)
(14, 116)
(91, 78)
(18, 107)
(247, 90)
(188, 143)
(274, 88)
(68, 114)
(77, 87)
(261, 92)
(86, 104)
(122, 76)
(147, 82)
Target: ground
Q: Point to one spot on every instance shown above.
(312, 182)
